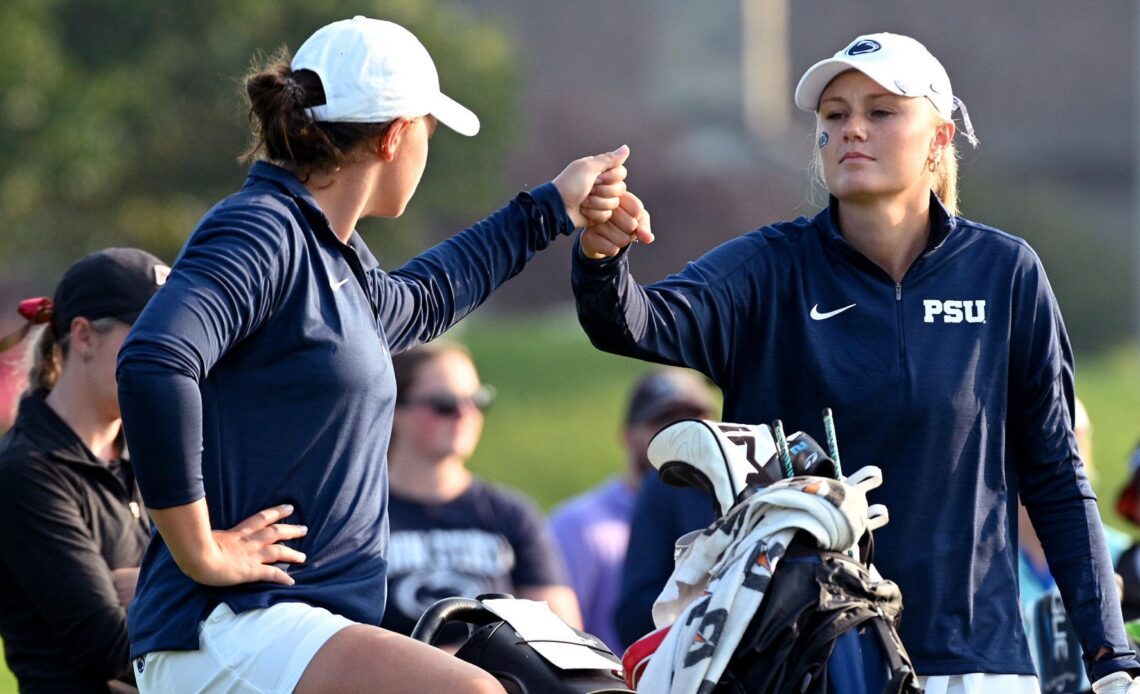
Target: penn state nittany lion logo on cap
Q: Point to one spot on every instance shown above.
(863, 46)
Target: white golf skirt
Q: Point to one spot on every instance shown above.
(264, 650)
(980, 683)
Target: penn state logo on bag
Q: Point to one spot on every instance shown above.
(954, 310)
(864, 46)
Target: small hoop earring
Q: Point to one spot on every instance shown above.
(931, 164)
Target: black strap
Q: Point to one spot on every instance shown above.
(867, 548)
(902, 679)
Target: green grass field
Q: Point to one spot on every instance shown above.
(554, 429)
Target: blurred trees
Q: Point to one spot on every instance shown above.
(121, 120)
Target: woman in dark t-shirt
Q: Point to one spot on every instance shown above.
(453, 534)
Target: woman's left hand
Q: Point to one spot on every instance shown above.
(591, 187)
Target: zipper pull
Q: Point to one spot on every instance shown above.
(898, 291)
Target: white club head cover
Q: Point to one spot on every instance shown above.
(715, 456)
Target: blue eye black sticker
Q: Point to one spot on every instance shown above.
(823, 138)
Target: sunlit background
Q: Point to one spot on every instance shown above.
(121, 123)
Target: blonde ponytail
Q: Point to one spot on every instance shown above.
(945, 183)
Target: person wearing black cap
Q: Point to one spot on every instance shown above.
(593, 529)
(74, 531)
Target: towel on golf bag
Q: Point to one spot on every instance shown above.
(722, 574)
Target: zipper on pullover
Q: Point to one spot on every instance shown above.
(899, 322)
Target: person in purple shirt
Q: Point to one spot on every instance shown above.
(592, 529)
(258, 392)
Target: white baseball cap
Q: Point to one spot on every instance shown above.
(374, 71)
(897, 63)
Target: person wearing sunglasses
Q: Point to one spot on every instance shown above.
(594, 529)
(453, 534)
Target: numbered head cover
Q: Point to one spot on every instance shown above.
(717, 457)
(725, 460)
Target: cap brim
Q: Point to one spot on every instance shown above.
(455, 115)
(818, 76)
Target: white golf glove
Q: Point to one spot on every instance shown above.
(1116, 683)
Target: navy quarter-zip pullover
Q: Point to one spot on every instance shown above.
(956, 381)
(262, 375)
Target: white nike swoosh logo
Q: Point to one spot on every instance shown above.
(337, 285)
(816, 315)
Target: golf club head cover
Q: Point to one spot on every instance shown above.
(809, 458)
(717, 457)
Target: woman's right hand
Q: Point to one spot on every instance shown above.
(243, 554)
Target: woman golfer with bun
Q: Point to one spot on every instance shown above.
(258, 392)
(936, 340)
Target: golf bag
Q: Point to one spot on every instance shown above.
(779, 593)
(825, 626)
(520, 662)
(1054, 645)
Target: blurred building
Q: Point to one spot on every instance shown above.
(702, 92)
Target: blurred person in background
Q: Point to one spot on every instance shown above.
(13, 377)
(1053, 641)
(73, 528)
(661, 514)
(454, 534)
(1128, 566)
(13, 381)
(592, 529)
(939, 345)
(258, 392)
(1034, 575)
